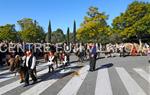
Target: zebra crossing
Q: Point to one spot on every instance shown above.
(103, 83)
(143, 74)
(74, 83)
(10, 76)
(102, 87)
(132, 87)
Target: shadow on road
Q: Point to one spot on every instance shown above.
(74, 61)
(105, 66)
(57, 75)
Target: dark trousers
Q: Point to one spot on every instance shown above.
(92, 63)
(27, 73)
(1, 60)
(2, 56)
(122, 54)
(65, 65)
(51, 68)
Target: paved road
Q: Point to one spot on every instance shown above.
(113, 76)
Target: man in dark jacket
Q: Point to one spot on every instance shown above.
(93, 55)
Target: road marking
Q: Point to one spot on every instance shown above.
(12, 75)
(143, 74)
(42, 64)
(130, 84)
(6, 71)
(42, 86)
(68, 69)
(103, 86)
(72, 87)
(7, 77)
(15, 84)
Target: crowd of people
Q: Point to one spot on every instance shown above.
(24, 61)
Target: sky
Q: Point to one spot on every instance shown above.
(61, 13)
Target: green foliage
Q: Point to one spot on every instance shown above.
(58, 36)
(25, 23)
(8, 32)
(74, 32)
(135, 21)
(49, 34)
(94, 28)
(31, 31)
(68, 34)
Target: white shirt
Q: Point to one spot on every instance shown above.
(80, 48)
(50, 62)
(65, 60)
(51, 58)
(33, 61)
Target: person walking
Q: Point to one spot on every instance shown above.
(30, 64)
(64, 59)
(93, 55)
(51, 58)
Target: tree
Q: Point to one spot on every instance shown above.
(74, 32)
(58, 36)
(8, 32)
(134, 22)
(49, 33)
(94, 27)
(31, 31)
(71, 36)
(68, 33)
(25, 23)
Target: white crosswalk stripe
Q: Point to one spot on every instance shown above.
(68, 69)
(74, 84)
(143, 74)
(103, 86)
(3, 72)
(132, 87)
(7, 77)
(10, 76)
(42, 65)
(15, 84)
(39, 88)
(8, 71)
